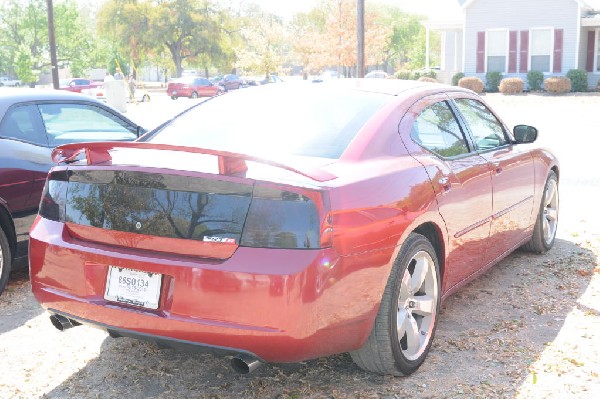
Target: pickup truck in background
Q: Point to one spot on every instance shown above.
(6, 81)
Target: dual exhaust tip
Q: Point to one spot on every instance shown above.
(62, 323)
(240, 363)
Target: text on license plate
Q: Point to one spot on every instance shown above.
(133, 287)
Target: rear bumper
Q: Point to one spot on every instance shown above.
(278, 305)
(165, 342)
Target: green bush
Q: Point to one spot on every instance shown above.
(456, 78)
(578, 79)
(535, 79)
(404, 75)
(492, 81)
(426, 74)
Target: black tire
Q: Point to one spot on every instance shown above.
(174, 97)
(5, 260)
(544, 231)
(194, 95)
(384, 352)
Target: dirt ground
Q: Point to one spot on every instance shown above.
(529, 328)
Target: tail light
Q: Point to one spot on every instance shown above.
(287, 218)
(54, 196)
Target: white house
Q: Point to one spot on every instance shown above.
(517, 36)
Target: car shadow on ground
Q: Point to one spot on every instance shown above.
(489, 335)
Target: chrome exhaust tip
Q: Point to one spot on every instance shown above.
(62, 323)
(245, 364)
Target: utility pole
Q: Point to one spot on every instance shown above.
(360, 23)
(52, 41)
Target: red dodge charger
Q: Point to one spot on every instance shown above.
(324, 218)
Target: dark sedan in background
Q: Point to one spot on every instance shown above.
(32, 123)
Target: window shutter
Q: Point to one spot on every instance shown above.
(512, 51)
(480, 68)
(558, 50)
(524, 54)
(591, 45)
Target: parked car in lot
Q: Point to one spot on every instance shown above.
(99, 92)
(192, 87)
(76, 85)
(257, 81)
(229, 82)
(338, 224)
(32, 123)
(6, 81)
(377, 75)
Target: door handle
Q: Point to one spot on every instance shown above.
(497, 166)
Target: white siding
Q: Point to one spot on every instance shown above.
(451, 55)
(519, 15)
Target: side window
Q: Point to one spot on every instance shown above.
(487, 131)
(22, 123)
(70, 123)
(437, 130)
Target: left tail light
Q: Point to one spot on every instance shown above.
(54, 196)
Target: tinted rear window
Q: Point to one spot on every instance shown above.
(309, 120)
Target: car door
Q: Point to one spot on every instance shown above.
(461, 180)
(512, 172)
(24, 156)
(204, 87)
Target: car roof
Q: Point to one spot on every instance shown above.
(10, 96)
(394, 87)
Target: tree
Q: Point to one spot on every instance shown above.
(187, 29)
(24, 37)
(264, 40)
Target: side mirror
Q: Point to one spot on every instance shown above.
(525, 134)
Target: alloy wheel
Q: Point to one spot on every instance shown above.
(417, 305)
(550, 217)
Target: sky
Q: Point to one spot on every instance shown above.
(434, 9)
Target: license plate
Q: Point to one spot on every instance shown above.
(133, 287)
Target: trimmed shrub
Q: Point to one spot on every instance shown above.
(578, 79)
(557, 84)
(511, 86)
(456, 78)
(404, 75)
(426, 74)
(427, 79)
(535, 79)
(471, 83)
(492, 81)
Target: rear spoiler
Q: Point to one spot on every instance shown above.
(230, 163)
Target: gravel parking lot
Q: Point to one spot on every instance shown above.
(529, 328)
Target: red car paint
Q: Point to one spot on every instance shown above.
(288, 305)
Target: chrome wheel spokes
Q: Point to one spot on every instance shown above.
(417, 305)
(550, 211)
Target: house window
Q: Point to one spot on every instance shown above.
(497, 48)
(541, 50)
